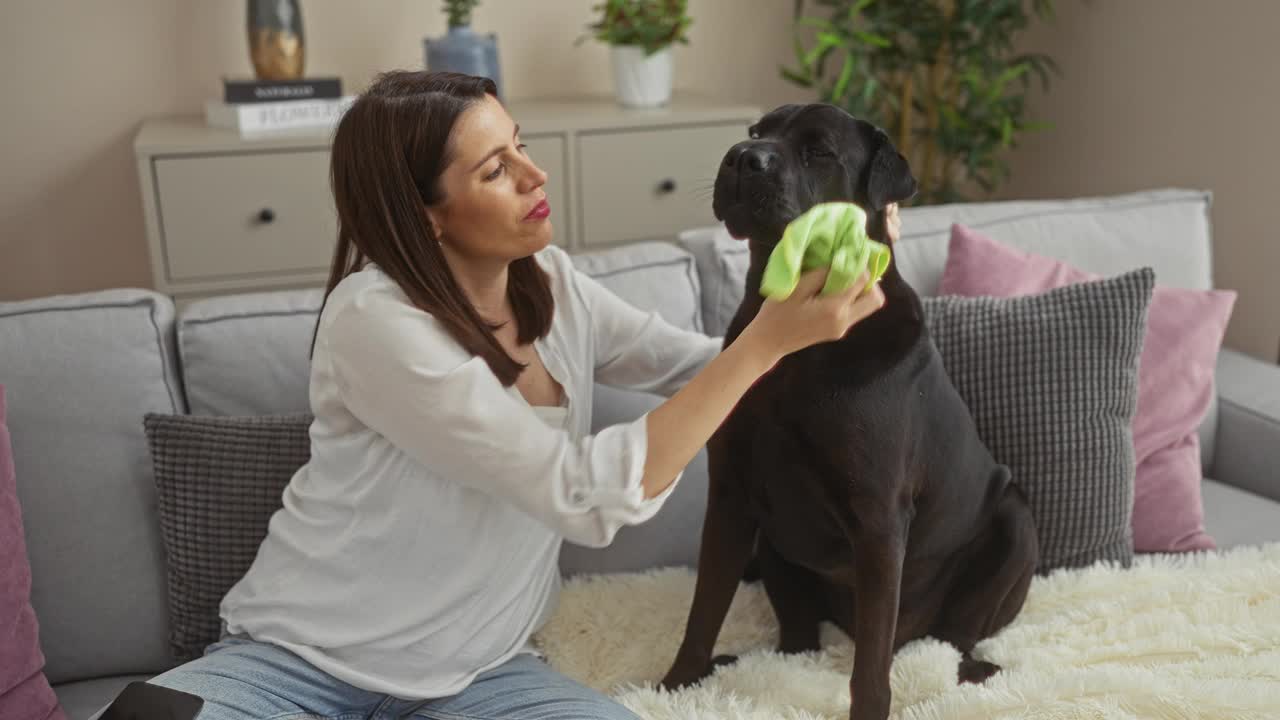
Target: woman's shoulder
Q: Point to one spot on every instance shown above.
(562, 273)
(368, 304)
(556, 261)
(367, 291)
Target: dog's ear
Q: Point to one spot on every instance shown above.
(889, 180)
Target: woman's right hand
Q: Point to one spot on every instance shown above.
(807, 317)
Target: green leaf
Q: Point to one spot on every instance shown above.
(825, 43)
(842, 82)
(872, 39)
(795, 77)
(1013, 73)
(869, 89)
(830, 39)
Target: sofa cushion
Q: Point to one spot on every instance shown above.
(24, 690)
(80, 372)
(219, 480)
(1175, 378)
(651, 276)
(1238, 517)
(249, 354)
(1167, 230)
(1249, 456)
(722, 272)
(1052, 382)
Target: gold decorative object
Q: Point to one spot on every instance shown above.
(277, 46)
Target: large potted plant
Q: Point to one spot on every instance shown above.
(462, 49)
(941, 76)
(640, 34)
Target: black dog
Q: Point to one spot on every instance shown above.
(852, 472)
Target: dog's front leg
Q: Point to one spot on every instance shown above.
(728, 536)
(878, 556)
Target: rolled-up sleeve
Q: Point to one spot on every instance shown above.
(639, 350)
(397, 371)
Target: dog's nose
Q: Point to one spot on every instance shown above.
(753, 158)
(757, 159)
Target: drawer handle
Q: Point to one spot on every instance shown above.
(266, 215)
(667, 186)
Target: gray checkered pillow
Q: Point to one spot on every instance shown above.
(219, 479)
(1052, 383)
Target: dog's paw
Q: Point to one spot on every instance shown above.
(682, 676)
(678, 681)
(976, 671)
(721, 660)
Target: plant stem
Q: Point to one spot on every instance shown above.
(904, 120)
(931, 141)
(935, 99)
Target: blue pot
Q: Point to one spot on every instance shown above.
(463, 50)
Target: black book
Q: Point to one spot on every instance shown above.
(256, 91)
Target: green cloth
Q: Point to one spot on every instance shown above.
(827, 235)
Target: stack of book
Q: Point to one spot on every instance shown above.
(253, 107)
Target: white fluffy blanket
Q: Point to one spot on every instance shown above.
(1171, 637)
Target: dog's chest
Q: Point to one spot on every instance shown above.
(806, 443)
(800, 504)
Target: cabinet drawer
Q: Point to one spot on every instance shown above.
(547, 152)
(652, 183)
(246, 214)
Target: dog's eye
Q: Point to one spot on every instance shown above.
(817, 151)
(753, 134)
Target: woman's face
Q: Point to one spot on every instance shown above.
(494, 207)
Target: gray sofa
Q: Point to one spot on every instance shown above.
(81, 371)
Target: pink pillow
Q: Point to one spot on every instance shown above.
(1175, 379)
(24, 691)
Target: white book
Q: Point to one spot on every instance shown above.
(263, 117)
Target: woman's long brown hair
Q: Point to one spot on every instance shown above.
(389, 151)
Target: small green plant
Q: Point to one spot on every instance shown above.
(650, 24)
(459, 11)
(940, 76)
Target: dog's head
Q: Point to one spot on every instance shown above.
(801, 155)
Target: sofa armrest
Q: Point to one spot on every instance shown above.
(1247, 450)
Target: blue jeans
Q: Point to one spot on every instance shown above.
(241, 679)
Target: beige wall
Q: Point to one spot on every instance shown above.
(1154, 93)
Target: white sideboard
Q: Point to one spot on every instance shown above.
(232, 214)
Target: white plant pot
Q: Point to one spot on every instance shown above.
(641, 81)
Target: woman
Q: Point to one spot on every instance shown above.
(451, 379)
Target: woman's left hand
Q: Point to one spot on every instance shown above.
(893, 223)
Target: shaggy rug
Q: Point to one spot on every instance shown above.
(1185, 636)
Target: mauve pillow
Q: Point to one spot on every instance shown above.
(24, 691)
(1175, 379)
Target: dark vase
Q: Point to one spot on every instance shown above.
(276, 43)
(465, 51)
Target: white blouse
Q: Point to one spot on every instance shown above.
(419, 546)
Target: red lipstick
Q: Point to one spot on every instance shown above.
(539, 211)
